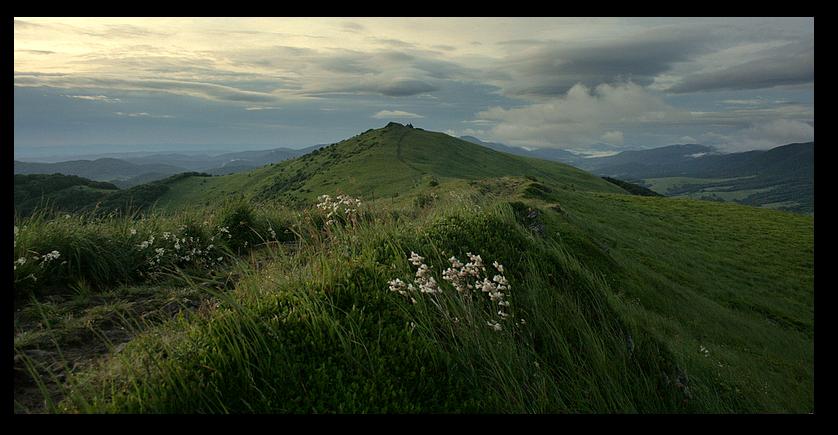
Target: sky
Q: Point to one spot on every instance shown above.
(228, 84)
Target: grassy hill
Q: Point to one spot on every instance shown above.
(379, 163)
(616, 302)
(57, 191)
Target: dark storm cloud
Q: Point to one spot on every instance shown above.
(791, 64)
(549, 69)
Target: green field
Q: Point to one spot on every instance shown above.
(630, 304)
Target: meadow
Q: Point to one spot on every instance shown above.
(615, 303)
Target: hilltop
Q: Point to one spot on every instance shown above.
(384, 162)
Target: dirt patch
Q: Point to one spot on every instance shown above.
(63, 335)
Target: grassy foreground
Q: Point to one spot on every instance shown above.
(617, 303)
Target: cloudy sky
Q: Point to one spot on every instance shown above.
(256, 83)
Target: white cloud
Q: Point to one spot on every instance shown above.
(141, 115)
(386, 114)
(100, 98)
(580, 117)
(764, 135)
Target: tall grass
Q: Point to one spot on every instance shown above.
(317, 330)
(310, 325)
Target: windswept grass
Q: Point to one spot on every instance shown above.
(617, 304)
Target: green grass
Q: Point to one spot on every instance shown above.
(665, 184)
(317, 331)
(630, 304)
(736, 280)
(382, 163)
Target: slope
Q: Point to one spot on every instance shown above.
(632, 304)
(384, 162)
(56, 191)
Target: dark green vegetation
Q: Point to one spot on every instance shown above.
(782, 177)
(630, 303)
(632, 188)
(57, 191)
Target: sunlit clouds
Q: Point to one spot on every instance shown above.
(536, 82)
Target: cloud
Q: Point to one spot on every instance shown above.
(393, 42)
(26, 25)
(613, 137)
(141, 115)
(751, 102)
(764, 135)
(546, 69)
(210, 91)
(350, 26)
(262, 108)
(324, 73)
(100, 98)
(386, 114)
(39, 52)
(580, 117)
(405, 87)
(791, 64)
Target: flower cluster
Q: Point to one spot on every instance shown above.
(465, 278)
(341, 205)
(45, 260)
(181, 249)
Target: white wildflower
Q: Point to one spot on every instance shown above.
(494, 325)
(50, 256)
(133, 232)
(397, 285)
(415, 259)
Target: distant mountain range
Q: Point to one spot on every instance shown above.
(782, 177)
(133, 170)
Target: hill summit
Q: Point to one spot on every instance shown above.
(383, 162)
